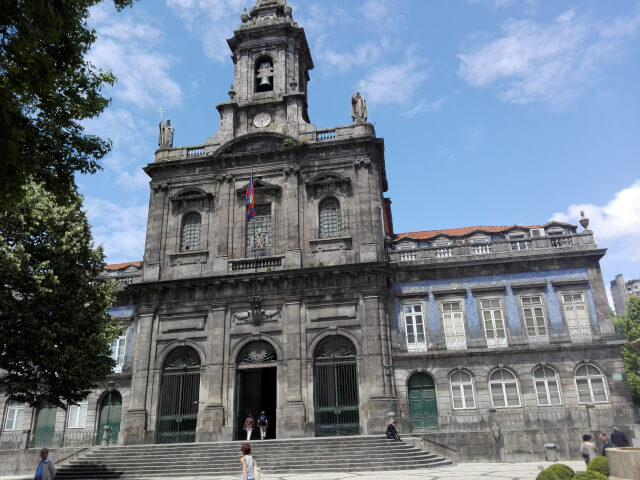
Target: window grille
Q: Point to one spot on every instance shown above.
(259, 232)
(190, 233)
(330, 220)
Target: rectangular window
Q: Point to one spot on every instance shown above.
(493, 320)
(414, 328)
(78, 414)
(117, 352)
(15, 414)
(575, 311)
(259, 232)
(534, 319)
(453, 321)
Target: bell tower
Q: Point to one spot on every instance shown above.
(271, 72)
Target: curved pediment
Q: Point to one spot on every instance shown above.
(253, 142)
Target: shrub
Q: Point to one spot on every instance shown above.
(600, 465)
(563, 472)
(288, 143)
(547, 475)
(590, 475)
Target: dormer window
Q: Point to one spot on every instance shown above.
(406, 246)
(479, 239)
(555, 231)
(264, 74)
(441, 242)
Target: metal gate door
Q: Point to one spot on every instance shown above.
(45, 425)
(422, 402)
(179, 397)
(110, 412)
(335, 382)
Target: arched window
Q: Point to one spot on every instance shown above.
(590, 384)
(330, 219)
(462, 391)
(15, 414)
(264, 74)
(545, 380)
(190, 232)
(504, 389)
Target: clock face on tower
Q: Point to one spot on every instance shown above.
(262, 120)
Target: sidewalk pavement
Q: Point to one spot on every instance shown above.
(461, 471)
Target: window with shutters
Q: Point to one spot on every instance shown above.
(576, 316)
(462, 391)
(330, 219)
(534, 318)
(15, 414)
(493, 320)
(78, 414)
(453, 321)
(590, 384)
(190, 232)
(504, 389)
(414, 327)
(547, 386)
(117, 352)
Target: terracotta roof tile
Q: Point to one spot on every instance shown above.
(464, 231)
(120, 266)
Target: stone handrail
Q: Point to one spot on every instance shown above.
(501, 247)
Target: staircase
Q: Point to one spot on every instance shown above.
(307, 455)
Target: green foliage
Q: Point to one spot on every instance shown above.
(288, 142)
(630, 325)
(599, 464)
(54, 326)
(47, 88)
(563, 472)
(547, 475)
(589, 475)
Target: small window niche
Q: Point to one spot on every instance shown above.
(264, 74)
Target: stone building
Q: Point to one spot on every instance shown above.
(493, 340)
(620, 291)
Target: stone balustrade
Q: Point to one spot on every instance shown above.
(539, 245)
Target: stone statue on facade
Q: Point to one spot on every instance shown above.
(358, 108)
(165, 135)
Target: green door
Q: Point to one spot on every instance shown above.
(179, 397)
(45, 425)
(422, 402)
(335, 387)
(110, 413)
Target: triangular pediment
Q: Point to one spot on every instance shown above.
(253, 143)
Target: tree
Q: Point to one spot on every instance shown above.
(54, 327)
(630, 323)
(46, 89)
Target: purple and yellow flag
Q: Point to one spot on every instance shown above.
(251, 202)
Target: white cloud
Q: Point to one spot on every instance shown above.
(617, 222)
(133, 52)
(530, 62)
(121, 230)
(426, 106)
(397, 83)
(209, 21)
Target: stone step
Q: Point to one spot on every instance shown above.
(337, 454)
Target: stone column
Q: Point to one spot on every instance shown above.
(220, 227)
(134, 422)
(292, 419)
(290, 204)
(211, 417)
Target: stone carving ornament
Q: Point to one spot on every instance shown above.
(358, 108)
(165, 134)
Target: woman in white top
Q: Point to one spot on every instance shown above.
(247, 462)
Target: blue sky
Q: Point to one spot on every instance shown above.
(494, 112)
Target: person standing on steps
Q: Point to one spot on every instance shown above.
(46, 468)
(247, 462)
(263, 423)
(249, 423)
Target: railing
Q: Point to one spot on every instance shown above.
(195, 151)
(322, 135)
(255, 263)
(578, 241)
(26, 439)
(12, 440)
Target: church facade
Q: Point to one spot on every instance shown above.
(488, 341)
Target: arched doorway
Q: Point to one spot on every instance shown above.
(179, 396)
(110, 413)
(422, 402)
(256, 387)
(45, 425)
(335, 387)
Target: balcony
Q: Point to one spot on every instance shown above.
(497, 249)
(259, 263)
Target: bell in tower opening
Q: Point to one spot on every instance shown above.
(264, 74)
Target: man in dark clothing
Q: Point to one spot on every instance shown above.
(618, 438)
(606, 443)
(392, 432)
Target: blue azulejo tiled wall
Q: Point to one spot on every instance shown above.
(426, 289)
